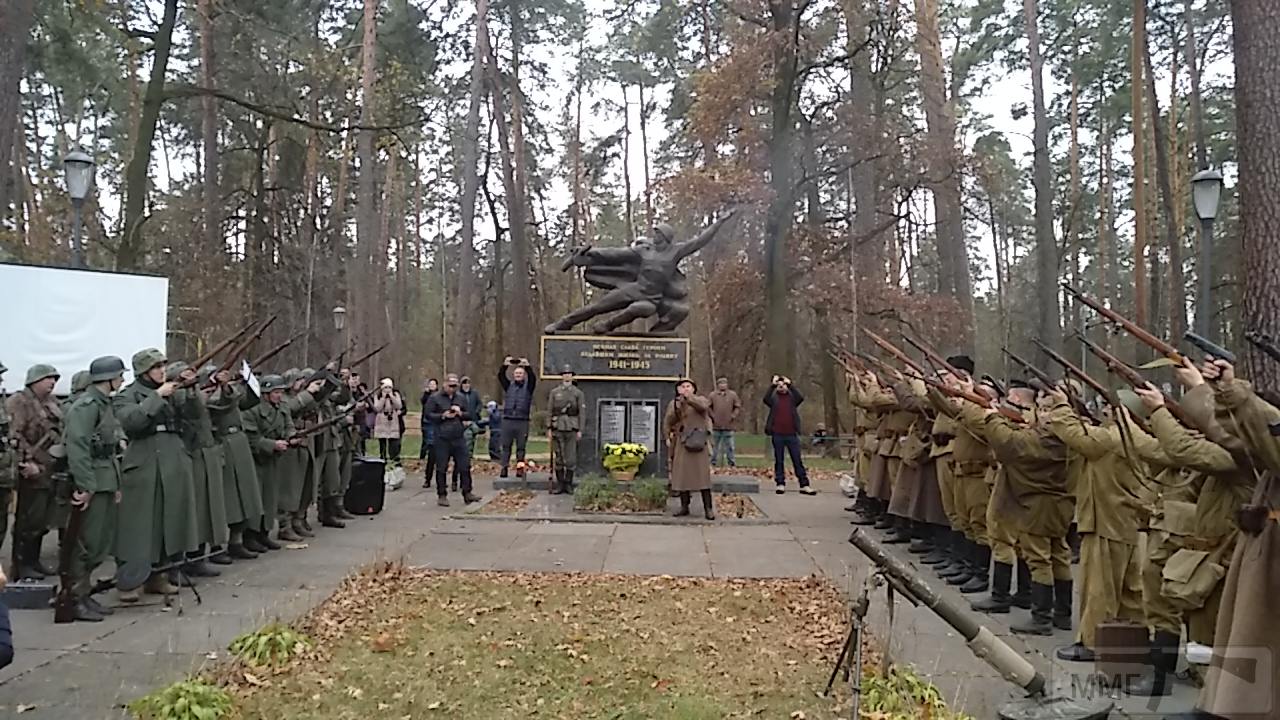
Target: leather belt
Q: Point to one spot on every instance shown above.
(165, 429)
(231, 430)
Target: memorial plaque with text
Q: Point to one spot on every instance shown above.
(613, 423)
(644, 424)
(616, 358)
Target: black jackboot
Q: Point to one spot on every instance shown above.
(1158, 679)
(708, 511)
(327, 517)
(34, 559)
(557, 485)
(1041, 620)
(942, 547)
(958, 563)
(684, 504)
(901, 532)
(981, 566)
(921, 542)
(568, 482)
(967, 569)
(1062, 600)
(869, 514)
(1022, 598)
(997, 603)
(21, 567)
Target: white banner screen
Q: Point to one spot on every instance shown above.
(66, 318)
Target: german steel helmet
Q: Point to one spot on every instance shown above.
(144, 360)
(108, 367)
(80, 381)
(36, 373)
(272, 382)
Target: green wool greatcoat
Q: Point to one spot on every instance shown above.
(242, 494)
(207, 468)
(157, 493)
(297, 471)
(265, 424)
(92, 438)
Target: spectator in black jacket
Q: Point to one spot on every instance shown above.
(517, 405)
(469, 400)
(783, 426)
(444, 410)
(428, 450)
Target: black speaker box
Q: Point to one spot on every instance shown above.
(367, 491)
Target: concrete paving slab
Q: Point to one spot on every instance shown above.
(180, 635)
(741, 533)
(26, 660)
(100, 683)
(555, 553)
(587, 529)
(639, 562)
(35, 630)
(759, 559)
(659, 540)
(460, 552)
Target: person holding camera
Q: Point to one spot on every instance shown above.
(518, 383)
(688, 428)
(783, 428)
(387, 405)
(445, 410)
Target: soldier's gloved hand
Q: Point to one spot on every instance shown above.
(315, 386)
(166, 389)
(80, 499)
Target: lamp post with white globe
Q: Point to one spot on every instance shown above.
(78, 167)
(1206, 192)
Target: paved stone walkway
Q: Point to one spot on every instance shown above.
(88, 672)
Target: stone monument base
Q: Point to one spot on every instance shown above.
(541, 482)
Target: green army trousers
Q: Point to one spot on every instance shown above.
(565, 448)
(35, 507)
(95, 541)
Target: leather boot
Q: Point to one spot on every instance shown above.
(981, 566)
(684, 504)
(921, 541)
(34, 558)
(1076, 652)
(708, 511)
(1041, 620)
(557, 485)
(98, 607)
(1022, 598)
(884, 522)
(901, 532)
(299, 528)
(200, 568)
(997, 603)
(941, 551)
(1062, 599)
(158, 584)
(1157, 680)
(340, 508)
(327, 518)
(220, 557)
(958, 562)
(568, 482)
(240, 551)
(286, 532)
(84, 612)
(306, 523)
(967, 568)
(869, 513)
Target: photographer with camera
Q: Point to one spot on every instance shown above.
(518, 383)
(783, 427)
(387, 405)
(446, 412)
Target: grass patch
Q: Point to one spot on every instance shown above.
(597, 494)
(507, 502)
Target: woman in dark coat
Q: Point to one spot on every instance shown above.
(690, 469)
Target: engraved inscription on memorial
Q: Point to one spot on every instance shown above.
(644, 424)
(613, 422)
(616, 358)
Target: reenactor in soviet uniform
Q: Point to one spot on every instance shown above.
(269, 427)
(240, 487)
(1189, 556)
(158, 525)
(1111, 505)
(94, 443)
(8, 464)
(36, 423)
(207, 466)
(1031, 490)
(565, 429)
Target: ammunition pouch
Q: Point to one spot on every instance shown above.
(1190, 577)
(63, 487)
(1252, 519)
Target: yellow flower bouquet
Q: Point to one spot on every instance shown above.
(622, 459)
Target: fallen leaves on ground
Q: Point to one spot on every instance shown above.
(507, 502)
(738, 506)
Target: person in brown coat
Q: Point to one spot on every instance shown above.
(688, 425)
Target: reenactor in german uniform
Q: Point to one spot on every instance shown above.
(349, 435)
(8, 463)
(159, 524)
(207, 466)
(241, 490)
(296, 480)
(565, 421)
(328, 453)
(79, 383)
(94, 444)
(269, 427)
(36, 424)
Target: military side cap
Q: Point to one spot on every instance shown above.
(272, 382)
(175, 368)
(80, 381)
(108, 367)
(144, 360)
(1131, 402)
(36, 373)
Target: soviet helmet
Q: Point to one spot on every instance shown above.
(80, 381)
(272, 382)
(108, 367)
(174, 369)
(36, 373)
(144, 360)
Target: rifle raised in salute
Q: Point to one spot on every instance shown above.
(919, 373)
(217, 349)
(1049, 383)
(264, 357)
(1134, 379)
(236, 353)
(1084, 377)
(1133, 329)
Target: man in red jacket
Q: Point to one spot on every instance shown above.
(783, 426)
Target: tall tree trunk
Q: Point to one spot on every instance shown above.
(626, 162)
(644, 152)
(132, 249)
(518, 202)
(367, 240)
(1048, 319)
(866, 144)
(953, 256)
(1177, 290)
(1106, 231)
(1197, 109)
(209, 135)
(575, 156)
(779, 329)
(1139, 164)
(15, 24)
(466, 330)
(1256, 28)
